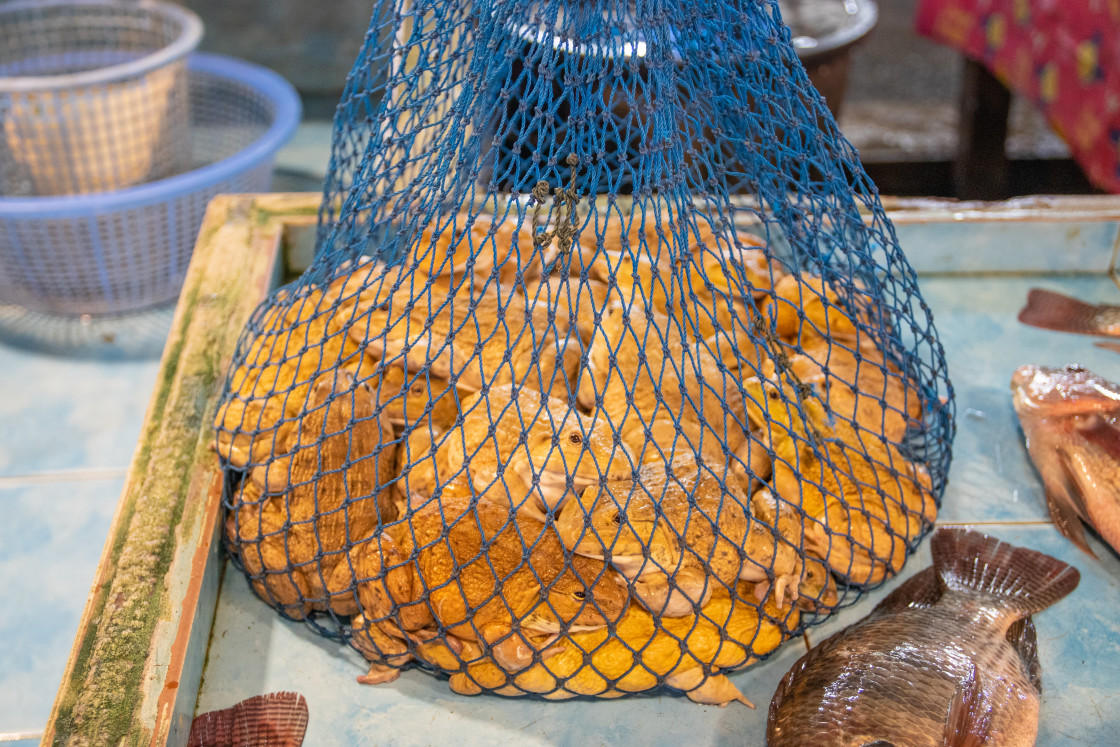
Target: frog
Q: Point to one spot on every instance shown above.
(534, 451)
(409, 399)
(804, 305)
(472, 338)
(865, 503)
(703, 284)
(662, 394)
(691, 653)
(856, 382)
(576, 302)
(436, 574)
(296, 515)
(302, 334)
(485, 248)
(677, 535)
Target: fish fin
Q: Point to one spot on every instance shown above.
(968, 722)
(1024, 639)
(275, 719)
(1050, 310)
(1102, 433)
(1113, 346)
(1067, 507)
(918, 591)
(1026, 580)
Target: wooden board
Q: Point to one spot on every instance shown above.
(134, 670)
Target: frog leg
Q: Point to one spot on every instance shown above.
(510, 649)
(462, 683)
(715, 689)
(379, 674)
(386, 652)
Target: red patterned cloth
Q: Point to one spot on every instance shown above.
(1064, 55)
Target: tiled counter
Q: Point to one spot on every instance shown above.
(69, 428)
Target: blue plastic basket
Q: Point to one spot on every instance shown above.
(114, 252)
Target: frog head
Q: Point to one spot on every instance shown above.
(619, 523)
(559, 460)
(586, 596)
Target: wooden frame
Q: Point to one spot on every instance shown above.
(136, 665)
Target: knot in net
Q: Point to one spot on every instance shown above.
(608, 374)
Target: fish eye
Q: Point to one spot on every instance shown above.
(579, 594)
(575, 438)
(617, 519)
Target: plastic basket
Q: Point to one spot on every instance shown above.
(93, 94)
(127, 250)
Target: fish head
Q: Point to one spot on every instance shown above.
(1054, 392)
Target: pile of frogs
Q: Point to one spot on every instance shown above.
(628, 473)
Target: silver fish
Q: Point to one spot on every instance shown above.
(1071, 420)
(949, 658)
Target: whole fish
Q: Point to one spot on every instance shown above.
(1071, 420)
(949, 658)
(1050, 310)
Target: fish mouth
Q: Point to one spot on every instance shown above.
(1070, 390)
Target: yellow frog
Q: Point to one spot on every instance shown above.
(299, 338)
(483, 575)
(665, 397)
(678, 536)
(865, 505)
(472, 338)
(533, 451)
(296, 515)
(689, 653)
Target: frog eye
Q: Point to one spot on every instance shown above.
(575, 438)
(417, 388)
(579, 594)
(617, 519)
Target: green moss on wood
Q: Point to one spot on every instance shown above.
(106, 688)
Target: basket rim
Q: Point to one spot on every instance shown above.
(284, 122)
(190, 34)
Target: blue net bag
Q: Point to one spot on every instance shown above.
(608, 375)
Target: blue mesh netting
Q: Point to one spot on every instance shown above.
(608, 374)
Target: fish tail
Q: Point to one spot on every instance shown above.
(275, 719)
(1025, 580)
(1050, 310)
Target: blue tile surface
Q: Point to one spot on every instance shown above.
(65, 414)
(50, 542)
(1038, 246)
(991, 478)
